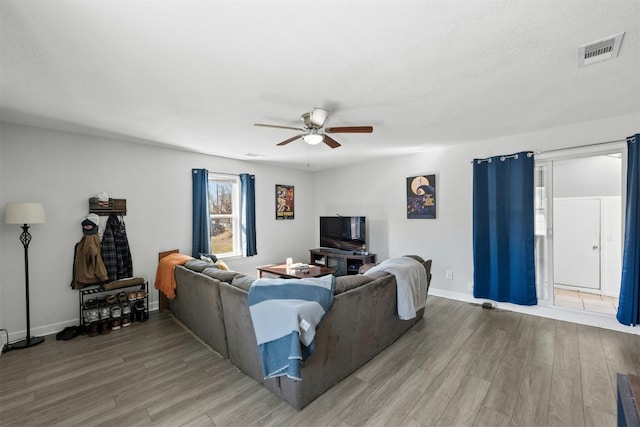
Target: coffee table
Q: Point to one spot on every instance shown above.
(288, 273)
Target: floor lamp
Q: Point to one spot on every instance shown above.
(25, 214)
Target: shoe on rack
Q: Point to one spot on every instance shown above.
(122, 296)
(116, 311)
(86, 317)
(105, 312)
(126, 320)
(141, 294)
(93, 329)
(111, 298)
(132, 296)
(90, 315)
(126, 308)
(105, 327)
(139, 312)
(115, 324)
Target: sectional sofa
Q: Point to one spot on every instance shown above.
(361, 323)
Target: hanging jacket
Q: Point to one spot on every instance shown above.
(88, 268)
(115, 250)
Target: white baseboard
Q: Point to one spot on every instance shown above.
(558, 313)
(605, 321)
(41, 331)
(53, 328)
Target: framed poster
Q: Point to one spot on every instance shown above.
(421, 197)
(284, 202)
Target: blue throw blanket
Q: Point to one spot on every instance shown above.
(285, 314)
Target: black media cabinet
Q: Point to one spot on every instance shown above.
(343, 262)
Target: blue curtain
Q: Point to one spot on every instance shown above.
(248, 214)
(201, 242)
(503, 229)
(629, 303)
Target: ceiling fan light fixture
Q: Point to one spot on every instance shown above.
(313, 138)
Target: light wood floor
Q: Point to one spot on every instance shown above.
(460, 365)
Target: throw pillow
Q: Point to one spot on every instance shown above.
(207, 260)
(211, 257)
(221, 265)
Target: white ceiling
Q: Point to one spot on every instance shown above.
(198, 74)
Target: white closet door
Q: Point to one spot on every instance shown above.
(576, 242)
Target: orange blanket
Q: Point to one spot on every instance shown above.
(165, 280)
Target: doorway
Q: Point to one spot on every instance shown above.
(579, 199)
(576, 243)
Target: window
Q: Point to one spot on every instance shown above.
(224, 214)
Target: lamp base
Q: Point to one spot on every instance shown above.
(27, 342)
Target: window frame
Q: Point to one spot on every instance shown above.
(235, 216)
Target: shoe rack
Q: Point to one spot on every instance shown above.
(104, 306)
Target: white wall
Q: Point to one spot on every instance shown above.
(377, 190)
(598, 176)
(62, 170)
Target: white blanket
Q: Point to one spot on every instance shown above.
(411, 279)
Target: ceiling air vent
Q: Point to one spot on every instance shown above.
(600, 50)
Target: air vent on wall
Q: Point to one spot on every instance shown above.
(600, 50)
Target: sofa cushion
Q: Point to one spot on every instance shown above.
(221, 275)
(243, 282)
(426, 264)
(366, 267)
(416, 257)
(346, 283)
(197, 265)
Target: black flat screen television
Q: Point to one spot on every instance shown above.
(347, 233)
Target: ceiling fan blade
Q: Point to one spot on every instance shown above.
(286, 141)
(331, 142)
(277, 126)
(350, 129)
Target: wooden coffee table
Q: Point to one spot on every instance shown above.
(284, 272)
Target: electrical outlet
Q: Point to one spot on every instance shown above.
(449, 274)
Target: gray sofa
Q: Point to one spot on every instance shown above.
(361, 323)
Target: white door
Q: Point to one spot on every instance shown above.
(576, 242)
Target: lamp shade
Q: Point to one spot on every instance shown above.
(24, 213)
(313, 138)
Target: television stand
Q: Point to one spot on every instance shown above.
(343, 262)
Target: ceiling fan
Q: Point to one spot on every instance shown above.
(313, 130)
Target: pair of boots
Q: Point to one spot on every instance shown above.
(139, 314)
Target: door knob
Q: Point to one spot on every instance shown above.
(595, 247)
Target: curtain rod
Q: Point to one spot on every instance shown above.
(224, 174)
(502, 158)
(582, 146)
(568, 148)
